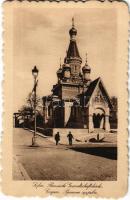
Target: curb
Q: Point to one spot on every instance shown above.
(22, 172)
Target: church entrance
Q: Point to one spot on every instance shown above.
(99, 119)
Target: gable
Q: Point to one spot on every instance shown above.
(98, 96)
(97, 91)
(105, 93)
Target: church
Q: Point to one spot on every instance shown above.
(76, 100)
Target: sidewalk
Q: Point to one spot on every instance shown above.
(18, 171)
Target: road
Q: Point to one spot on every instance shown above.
(51, 162)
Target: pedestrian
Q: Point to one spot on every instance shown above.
(70, 138)
(57, 138)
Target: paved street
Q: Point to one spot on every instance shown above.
(50, 162)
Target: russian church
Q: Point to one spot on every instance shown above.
(76, 100)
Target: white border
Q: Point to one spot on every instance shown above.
(4, 197)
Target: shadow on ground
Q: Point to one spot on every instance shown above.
(107, 152)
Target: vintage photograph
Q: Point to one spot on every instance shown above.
(65, 122)
(66, 110)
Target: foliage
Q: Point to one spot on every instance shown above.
(31, 101)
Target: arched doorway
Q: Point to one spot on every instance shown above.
(99, 118)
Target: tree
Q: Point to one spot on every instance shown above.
(114, 102)
(27, 111)
(113, 113)
(31, 100)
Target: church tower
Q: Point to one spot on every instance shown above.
(73, 58)
(69, 74)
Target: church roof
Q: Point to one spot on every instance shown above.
(91, 89)
(73, 50)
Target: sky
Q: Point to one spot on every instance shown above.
(41, 37)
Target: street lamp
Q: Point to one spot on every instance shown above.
(35, 72)
(35, 75)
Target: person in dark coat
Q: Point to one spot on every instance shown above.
(57, 138)
(70, 138)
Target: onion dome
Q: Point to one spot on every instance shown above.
(73, 30)
(66, 66)
(86, 67)
(59, 71)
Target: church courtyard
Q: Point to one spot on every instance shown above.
(51, 162)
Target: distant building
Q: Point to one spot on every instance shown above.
(76, 100)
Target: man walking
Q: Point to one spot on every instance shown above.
(70, 138)
(57, 138)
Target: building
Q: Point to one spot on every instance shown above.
(76, 100)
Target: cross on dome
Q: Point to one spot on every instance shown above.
(86, 59)
(73, 31)
(72, 22)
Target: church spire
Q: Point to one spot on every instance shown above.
(73, 31)
(72, 59)
(72, 22)
(72, 52)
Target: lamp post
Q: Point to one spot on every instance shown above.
(35, 75)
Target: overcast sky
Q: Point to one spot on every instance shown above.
(41, 37)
